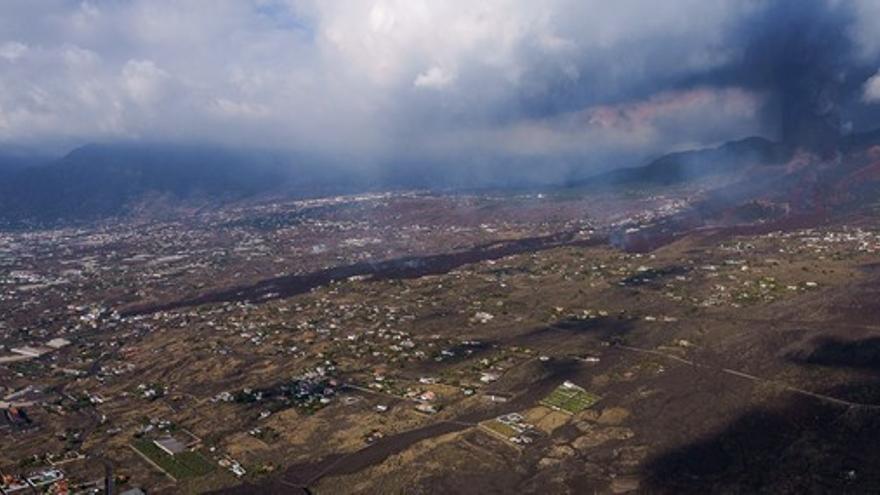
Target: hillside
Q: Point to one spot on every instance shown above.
(680, 167)
(98, 181)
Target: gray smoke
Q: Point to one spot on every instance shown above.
(801, 53)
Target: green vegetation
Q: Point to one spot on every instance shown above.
(570, 399)
(500, 428)
(188, 464)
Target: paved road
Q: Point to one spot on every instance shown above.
(746, 376)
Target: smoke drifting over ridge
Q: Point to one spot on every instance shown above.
(552, 88)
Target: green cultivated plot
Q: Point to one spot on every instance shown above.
(183, 465)
(571, 399)
(500, 428)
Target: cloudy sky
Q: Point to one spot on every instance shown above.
(440, 79)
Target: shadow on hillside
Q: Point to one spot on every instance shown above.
(834, 352)
(800, 445)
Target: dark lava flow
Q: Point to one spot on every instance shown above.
(399, 268)
(300, 476)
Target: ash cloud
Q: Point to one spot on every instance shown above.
(801, 52)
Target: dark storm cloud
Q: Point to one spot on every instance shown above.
(562, 81)
(800, 55)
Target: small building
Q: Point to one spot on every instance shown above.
(45, 477)
(13, 484)
(30, 351)
(58, 343)
(170, 445)
(426, 408)
(497, 397)
(489, 377)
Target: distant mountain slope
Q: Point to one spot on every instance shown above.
(13, 161)
(95, 181)
(680, 167)
(99, 181)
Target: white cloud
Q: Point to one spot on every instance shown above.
(143, 81)
(435, 78)
(78, 58)
(231, 108)
(12, 50)
(338, 76)
(871, 90)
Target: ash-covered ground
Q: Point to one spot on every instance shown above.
(423, 343)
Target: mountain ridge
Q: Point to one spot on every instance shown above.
(99, 181)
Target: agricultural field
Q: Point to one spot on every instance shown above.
(184, 465)
(570, 398)
(499, 428)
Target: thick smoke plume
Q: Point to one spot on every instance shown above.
(801, 53)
